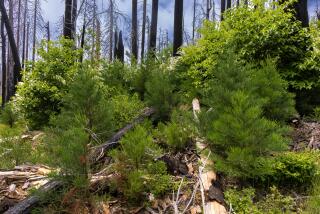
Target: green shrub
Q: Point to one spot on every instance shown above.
(9, 115)
(241, 135)
(256, 33)
(313, 203)
(316, 113)
(140, 174)
(178, 132)
(295, 169)
(45, 82)
(14, 150)
(276, 203)
(160, 93)
(242, 201)
(125, 109)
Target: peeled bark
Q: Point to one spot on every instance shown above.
(154, 26)
(134, 32)
(178, 26)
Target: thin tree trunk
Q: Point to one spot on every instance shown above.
(153, 28)
(24, 31)
(18, 27)
(208, 10)
(4, 66)
(82, 39)
(98, 43)
(120, 48)
(115, 47)
(94, 29)
(134, 33)
(34, 30)
(74, 17)
(143, 36)
(111, 30)
(178, 26)
(223, 8)
(67, 28)
(48, 34)
(194, 20)
(228, 4)
(15, 54)
(27, 42)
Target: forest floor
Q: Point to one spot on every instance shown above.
(186, 167)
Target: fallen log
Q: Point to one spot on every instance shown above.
(97, 153)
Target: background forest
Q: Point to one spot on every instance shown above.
(117, 116)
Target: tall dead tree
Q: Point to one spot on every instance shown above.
(222, 8)
(194, 20)
(111, 23)
(228, 4)
(4, 66)
(48, 31)
(154, 26)
(208, 9)
(34, 29)
(134, 31)
(27, 41)
(301, 9)
(74, 17)
(119, 54)
(67, 28)
(115, 47)
(178, 26)
(143, 31)
(12, 42)
(18, 25)
(24, 32)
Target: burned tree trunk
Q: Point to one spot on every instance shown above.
(134, 32)
(4, 66)
(74, 17)
(34, 30)
(12, 42)
(154, 26)
(111, 7)
(67, 28)
(143, 36)
(222, 8)
(178, 26)
(24, 32)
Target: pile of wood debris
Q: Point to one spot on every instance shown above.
(15, 184)
(306, 134)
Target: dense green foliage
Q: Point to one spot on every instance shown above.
(242, 201)
(135, 162)
(241, 127)
(9, 114)
(45, 82)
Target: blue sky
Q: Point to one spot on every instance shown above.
(54, 9)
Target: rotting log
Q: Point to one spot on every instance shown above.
(97, 153)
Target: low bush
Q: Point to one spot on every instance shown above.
(243, 201)
(9, 114)
(135, 161)
(295, 169)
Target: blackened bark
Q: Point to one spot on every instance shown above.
(154, 26)
(228, 4)
(12, 42)
(178, 26)
(74, 17)
(34, 30)
(67, 28)
(4, 66)
(24, 32)
(115, 47)
(301, 8)
(223, 8)
(143, 36)
(120, 48)
(111, 13)
(82, 40)
(134, 32)
(18, 27)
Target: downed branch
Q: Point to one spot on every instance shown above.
(97, 154)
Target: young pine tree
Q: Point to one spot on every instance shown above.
(242, 99)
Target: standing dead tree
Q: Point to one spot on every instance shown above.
(154, 26)
(12, 42)
(178, 26)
